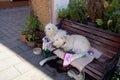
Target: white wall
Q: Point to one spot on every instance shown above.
(59, 4)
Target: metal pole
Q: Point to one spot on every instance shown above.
(51, 11)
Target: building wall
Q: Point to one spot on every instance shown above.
(47, 12)
(4, 0)
(41, 9)
(59, 4)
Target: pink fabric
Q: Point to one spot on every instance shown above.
(67, 59)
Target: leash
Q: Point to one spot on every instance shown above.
(54, 50)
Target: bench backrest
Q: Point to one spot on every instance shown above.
(106, 42)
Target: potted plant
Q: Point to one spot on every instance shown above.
(98, 13)
(32, 26)
(23, 36)
(75, 12)
(111, 20)
(30, 40)
(38, 38)
(25, 29)
(62, 13)
(95, 10)
(38, 43)
(23, 33)
(105, 14)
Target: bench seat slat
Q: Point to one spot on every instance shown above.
(105, 51)
(108, 54)
(95, 31)
(97, 65)
(89, 72)
(99, 39)
(110, 48)
(103, 46)
(94, 71)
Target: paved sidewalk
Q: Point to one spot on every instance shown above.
(17, 62)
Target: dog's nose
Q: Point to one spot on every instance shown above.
(53, 44)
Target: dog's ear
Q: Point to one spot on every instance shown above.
(54, 27)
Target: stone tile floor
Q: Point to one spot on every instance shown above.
(17, 61)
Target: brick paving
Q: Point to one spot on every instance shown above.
(17, 61)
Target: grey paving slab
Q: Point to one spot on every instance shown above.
(17, 50)
(27, 55)
(47, 71)
(24, 47)
(35, 59)
(61, 76)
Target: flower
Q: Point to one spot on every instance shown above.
(36, 17)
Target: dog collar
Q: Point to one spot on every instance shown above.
(54, 49)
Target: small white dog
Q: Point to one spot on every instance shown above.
(51, 30)
(76, 43)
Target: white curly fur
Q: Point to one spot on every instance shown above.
(76, 43)
(51, 30)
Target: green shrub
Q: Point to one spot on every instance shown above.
(112, 17)
(105, 13)
(116, 75)
(63, 13)
(31, 25)
(75, 11)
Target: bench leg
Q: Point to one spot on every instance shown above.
(47, 59)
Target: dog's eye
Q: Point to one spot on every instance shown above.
(48, 28)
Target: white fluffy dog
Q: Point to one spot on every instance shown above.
(76, 43)
(51, 30)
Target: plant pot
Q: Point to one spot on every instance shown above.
(58, 19)
(39, 45)
(30, 43)
(23, 37)
(92, 24)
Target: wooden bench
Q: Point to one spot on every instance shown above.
(106, 42)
